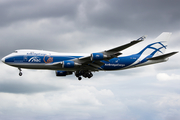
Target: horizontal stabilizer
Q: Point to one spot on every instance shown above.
(162, 56)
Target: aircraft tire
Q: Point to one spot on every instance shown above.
(79, 78)
(20, 74)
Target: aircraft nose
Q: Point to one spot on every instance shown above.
(3, 59)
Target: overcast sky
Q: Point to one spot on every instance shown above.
(145, 93)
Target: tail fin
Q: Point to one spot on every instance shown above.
(159, 47)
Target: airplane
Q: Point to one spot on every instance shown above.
(82, 65)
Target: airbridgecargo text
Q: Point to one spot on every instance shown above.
(115, 65)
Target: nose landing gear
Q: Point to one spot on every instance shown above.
(20, 73)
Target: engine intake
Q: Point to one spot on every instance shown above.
(63, 73)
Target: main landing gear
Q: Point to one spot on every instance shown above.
(20, 73)
(86, 74)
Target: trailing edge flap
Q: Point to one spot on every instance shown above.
(162, 56)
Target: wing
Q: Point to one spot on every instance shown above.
(95, 64)
(120, 48)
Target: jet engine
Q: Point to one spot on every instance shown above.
(63, 73)
(98, 56)
(69, 64)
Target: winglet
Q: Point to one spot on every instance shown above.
(139, 39)
(142, 38)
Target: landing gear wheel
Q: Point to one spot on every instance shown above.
(79, 78)
(20, 74)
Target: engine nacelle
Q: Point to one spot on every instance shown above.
(69, 64)
(98, 56)
(63, 73)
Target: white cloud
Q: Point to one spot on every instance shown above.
(78, 101)
(166, 77)
(169, 99)
(168, 106)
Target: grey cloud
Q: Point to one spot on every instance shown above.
(134, 16)
(146, 16)
(13, 11)
(25, 87)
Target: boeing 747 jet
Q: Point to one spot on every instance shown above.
(82, 65)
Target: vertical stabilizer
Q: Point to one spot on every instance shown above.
(165, 36)
(157, 48)
(163, 40)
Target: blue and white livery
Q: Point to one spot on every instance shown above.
(82, 65)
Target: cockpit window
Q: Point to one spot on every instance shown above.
(15, 51)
